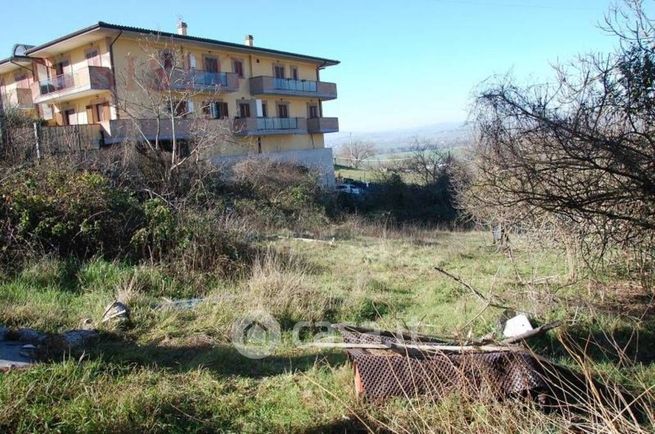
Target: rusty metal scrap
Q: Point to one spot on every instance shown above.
(407, 372)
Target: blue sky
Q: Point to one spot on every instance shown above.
(404, 63)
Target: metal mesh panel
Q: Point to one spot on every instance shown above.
(385, 373)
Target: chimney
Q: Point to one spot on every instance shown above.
(182, 28)
(250, 40)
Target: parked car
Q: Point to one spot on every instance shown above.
(349, 189)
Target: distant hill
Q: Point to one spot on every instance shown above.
(450, 134)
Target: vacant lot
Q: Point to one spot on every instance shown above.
(173, 370)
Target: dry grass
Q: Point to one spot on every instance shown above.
(175, 369)
(280, 285)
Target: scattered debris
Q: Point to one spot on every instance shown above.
(117, 311)
(390, 364)
(22, 348)
(79, 338)
(11, 357)
(27, 335)
(516, 326)
(191, 303)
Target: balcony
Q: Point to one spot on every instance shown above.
(323, 125)
(204, 81)
(269, 126)
(121, 130)
(264, 85)
(83, 82)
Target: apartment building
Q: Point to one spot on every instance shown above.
(273, 99)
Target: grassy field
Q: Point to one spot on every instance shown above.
(176, 371)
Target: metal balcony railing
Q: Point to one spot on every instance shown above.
(85, 78)
(277, 123)
(295, 85)
(266, 85)
(196, 78)
(54, 84)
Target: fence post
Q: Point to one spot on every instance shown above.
(78, 133)
(36, 138)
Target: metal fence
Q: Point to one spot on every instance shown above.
(35, 142)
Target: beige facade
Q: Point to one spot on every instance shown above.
(274, 99)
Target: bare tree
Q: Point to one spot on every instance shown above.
(356, 152)
(159, 94)
(428, 163)
(579, 153)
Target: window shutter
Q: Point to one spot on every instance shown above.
(190, 106)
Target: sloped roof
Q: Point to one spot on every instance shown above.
(231, 45)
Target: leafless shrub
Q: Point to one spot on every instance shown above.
(158, 95)
(577, 154)
(429, 164)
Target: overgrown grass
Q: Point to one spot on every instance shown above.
(174, 370)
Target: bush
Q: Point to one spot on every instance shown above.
(68, 213)
(278, 195)
(71, 213)
(392, 199)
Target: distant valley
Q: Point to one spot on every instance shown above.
(443, 135)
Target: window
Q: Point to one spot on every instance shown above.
(244, 110)
(180, 108)
(102, 112)
(167, 59)
(215, 109)
(313, 111)
(62, 67)
(222, 110)
(211, 64)
(92, 57)
(282, 111)
(294, 73)
(264, 110)
(20, 77)
(278, 71)
(69, 117)
(237, 66)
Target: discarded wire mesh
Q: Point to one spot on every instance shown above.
(395, 364)
(405, 371)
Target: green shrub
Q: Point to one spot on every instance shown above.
(67, 212)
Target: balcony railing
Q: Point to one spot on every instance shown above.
(55, 84)
(84, 79)
(295, 85)
(277, 123)
(196, 79)
(323, 125)
(267, 126)
(264, 85)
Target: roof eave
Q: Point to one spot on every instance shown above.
(229, 45)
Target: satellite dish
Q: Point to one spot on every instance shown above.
(20, 50)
